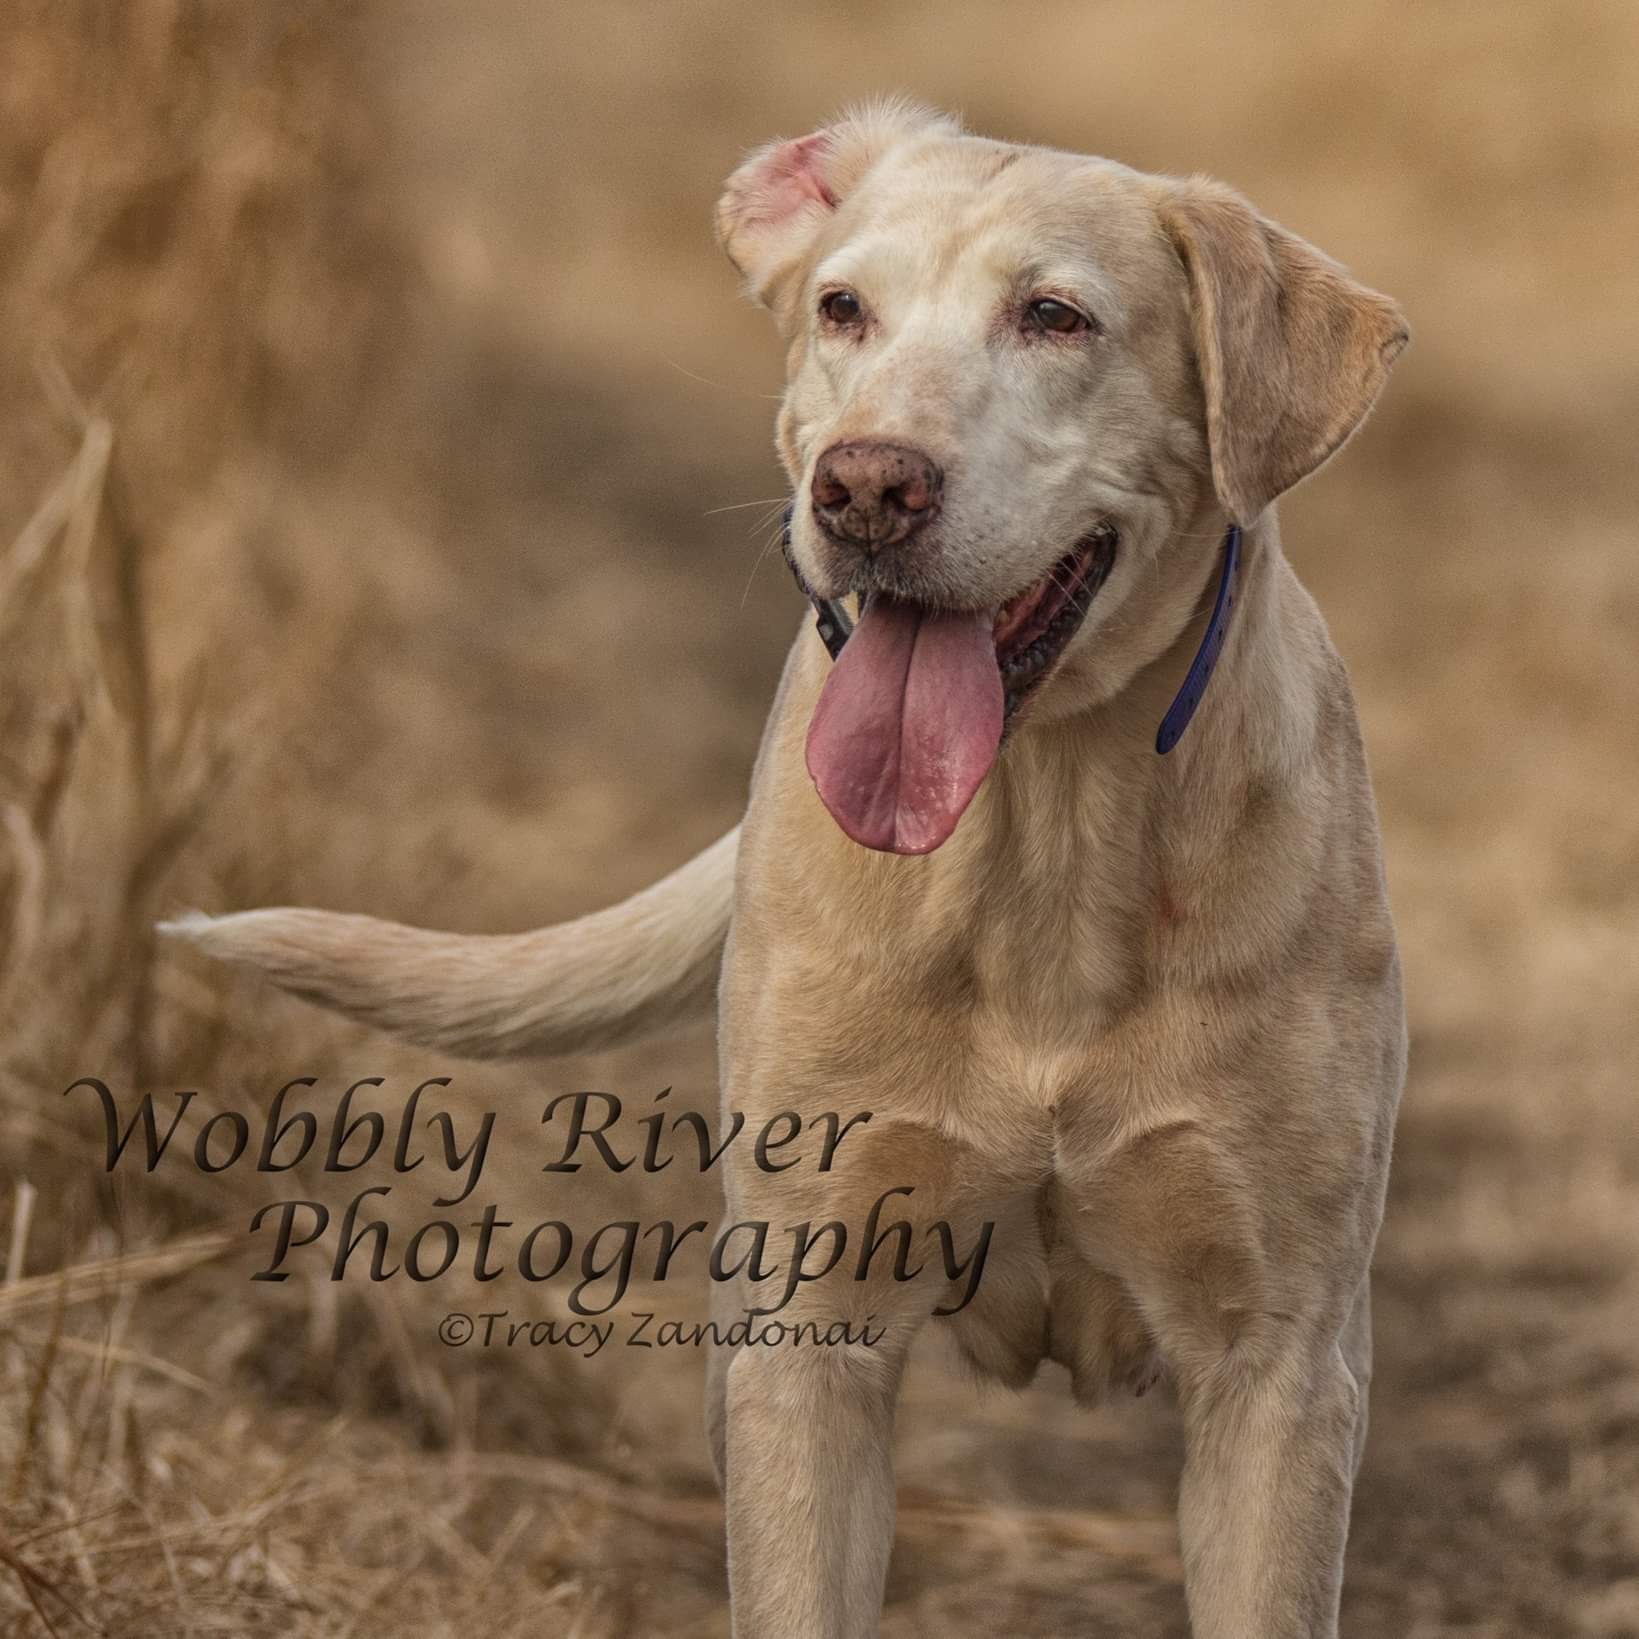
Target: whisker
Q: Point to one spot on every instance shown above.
(721, 386)
(757, 562)
(775, 515)
(740, 506)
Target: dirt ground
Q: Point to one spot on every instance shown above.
(384, 481)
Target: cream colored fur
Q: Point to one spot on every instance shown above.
(1144, 1013)
(638, 968)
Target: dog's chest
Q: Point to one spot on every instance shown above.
(1069, 1048)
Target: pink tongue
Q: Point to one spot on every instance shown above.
(907, 725)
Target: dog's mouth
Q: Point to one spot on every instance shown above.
(1033, 629)
(913, 712)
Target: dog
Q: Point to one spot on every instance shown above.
(1060, 855)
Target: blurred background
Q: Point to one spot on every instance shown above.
(384, 472)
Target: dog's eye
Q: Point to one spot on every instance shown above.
(1059, 317)
(841, 307)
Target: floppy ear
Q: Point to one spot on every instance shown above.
(775, 204)
(1292, 351)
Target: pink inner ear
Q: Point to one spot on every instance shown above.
(791, 177)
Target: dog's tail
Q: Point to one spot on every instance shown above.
(636, 969)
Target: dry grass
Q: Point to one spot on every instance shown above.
(371, 383)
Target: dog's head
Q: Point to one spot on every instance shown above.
(1025, 388)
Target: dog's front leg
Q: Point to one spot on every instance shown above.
(1272, 1433)
(808, 1401)
(1270, 1356)
(810, 1487)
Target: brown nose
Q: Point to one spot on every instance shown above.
(874, 495)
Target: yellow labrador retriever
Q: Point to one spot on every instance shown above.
(1065, 867)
